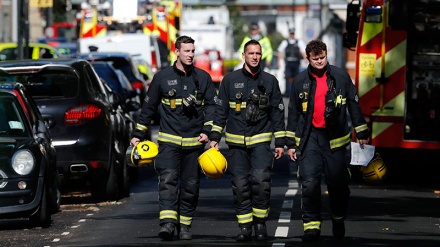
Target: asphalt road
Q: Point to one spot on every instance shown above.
(399, 214)
(403, 211)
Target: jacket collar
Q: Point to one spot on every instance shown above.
(182, 73)
(248, 74)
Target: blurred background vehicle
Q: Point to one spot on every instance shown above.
(212, 62)
(124, 62)
(9, 51)
(136, 44)
(29, 180)
(89, 133)
(119, 84)
(63, 47)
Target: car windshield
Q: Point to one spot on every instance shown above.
(50, 85)
(11, 121)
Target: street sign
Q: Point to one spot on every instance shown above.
(41, 3)
(311, 29)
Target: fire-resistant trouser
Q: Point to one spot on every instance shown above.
(179, 182)
(317, 158)
(251, 182)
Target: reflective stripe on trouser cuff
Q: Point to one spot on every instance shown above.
(185, 220)
(244, 218)
(168, 214)
(178, 140)
(260, 213)
(312, 225)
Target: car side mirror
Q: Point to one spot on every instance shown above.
(40, 129)
(132, 106)
(115, 99)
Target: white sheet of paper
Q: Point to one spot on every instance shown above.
(359, 156)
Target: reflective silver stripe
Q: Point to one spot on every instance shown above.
(290, 134)
(168, 214)
(232, 104)
(217, 128)
(141, 127)
(234, 138)
(297, 140)
(167, 101)
(185, 220)
(339, 142)
(279, 134)
(260, 213)
(361, 128)
(244, 218)
(178, 140)
(250, 140)
(263, 137)
(312, 225)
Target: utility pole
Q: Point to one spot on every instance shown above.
(23, 28)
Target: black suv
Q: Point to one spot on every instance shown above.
(86, 123)
(29, 181)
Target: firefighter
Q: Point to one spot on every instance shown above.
(317, 135)
(184, 97)
(250, 107)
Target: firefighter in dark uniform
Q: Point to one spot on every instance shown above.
(251, 108)
(184, 96)
(317, 135)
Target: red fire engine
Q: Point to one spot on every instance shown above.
(397, 44)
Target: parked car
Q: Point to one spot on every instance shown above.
(9, 51)
(124, 62)
(88, 132)
(29, 180)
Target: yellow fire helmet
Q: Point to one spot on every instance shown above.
(375, 172)
(143, 154)
(213, 163)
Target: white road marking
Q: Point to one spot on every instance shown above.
(285, 217)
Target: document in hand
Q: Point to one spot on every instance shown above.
(361, 156)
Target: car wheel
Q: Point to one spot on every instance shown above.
(43, 216)
(55, 194)
(104, 185)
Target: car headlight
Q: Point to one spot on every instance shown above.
(23, 162)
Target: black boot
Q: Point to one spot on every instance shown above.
(311, 235)
(245, 234)
(338, 229)
(260, 231)
(166, 231)
(184, 233)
